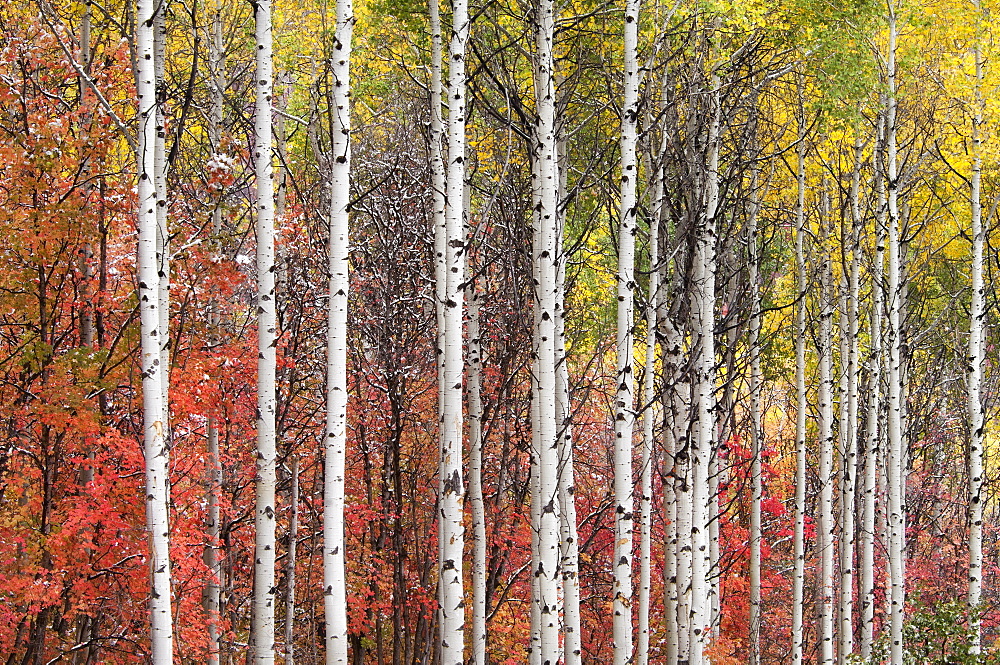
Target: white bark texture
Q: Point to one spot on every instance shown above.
(826, 525)
(544, 439)
(264, 587)
(977, 323)
(154, 428)
(335, 439)
(625, 376)
(477, 505)
(451, 534)
(896, 464)
(756, 424)
(799, 566)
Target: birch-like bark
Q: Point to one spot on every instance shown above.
(826, 525)
(264, 587)
(756, 425)
(849, 412)
(977, 323)
(872, 438)
(625, 379)
(438, 184)
(451, 529)
(293, 535)
(703, 325)
(213, 590)
(544, 439)
(155, 447)
(162, 229)
(478, 524)
(799, 544)
(896, 447)
(335, 439)
(569, 563)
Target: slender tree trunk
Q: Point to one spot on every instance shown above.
(293, 535)
(872, 438)
(799, 543)
(648, 420)
(335, 440)
(264, 587)
(826, 526)
(849, 412)
(756, 424)
(896, 477)
(569, 551)
(213, 590)
(977, 324)
(479, 543)
(545, 442)
(451, 536)
(625, 376)
(154, 429)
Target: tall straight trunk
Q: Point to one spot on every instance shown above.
(569, 551)
(213, 590)
(873, 416)
(155, 449)
(625, 376)
(756, 424)
(293, 534)
(703, 445)
(648, 420)
(896, 475)
(478, 523)
(451, 530)
(335, 440)
(438, 181)
(801, 286)
(826, 527)
(544, 438)
(162, 229)
(264, 587)
(849, 411)
(977, 324)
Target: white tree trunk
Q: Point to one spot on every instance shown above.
(849, 413)
(756, 425)
(977, 323)
(154, 428)
(826, 525)
(544, 439)
(648, 420)
(896, 476)
(451, 536)
(478, 524)
(625, 376)
(293, 534)
(569, 552)
(162, 229)
(335, 439)
(799, 545)
(264, 587)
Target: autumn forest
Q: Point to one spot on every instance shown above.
(487, 332)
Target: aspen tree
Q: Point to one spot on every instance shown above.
(825, 527)
(438, 184)
(293, 535)
(896, 453)
(799, 545)
(451, 537)
(479, 543)
(569, 552)
(977, 323)
(872, 438)
(756, 425)
(648, 419)
(544, 438)
(264, 587)
(162, 228)
(625, 379)
(849, 411)
(335, 439)
(155, 447)
(213, 591)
